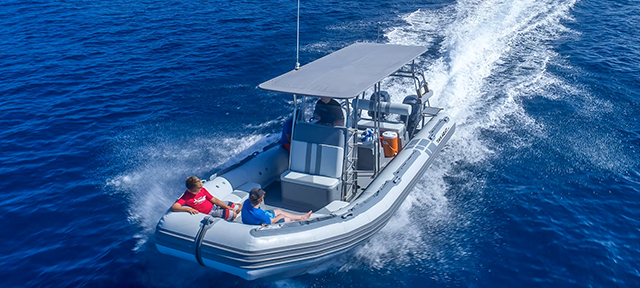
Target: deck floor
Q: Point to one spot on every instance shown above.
(273, 197)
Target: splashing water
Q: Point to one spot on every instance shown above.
(155, 179)
(490, 55)
(477, 38)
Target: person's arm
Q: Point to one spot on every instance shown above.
(219, 203)
(179, 208)
(215, 200)
(339, 116)
(316, 114)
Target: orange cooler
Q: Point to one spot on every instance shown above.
(390, 143)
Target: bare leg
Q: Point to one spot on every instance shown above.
(291, 216)
(237, 211)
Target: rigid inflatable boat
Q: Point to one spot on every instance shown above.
(353, 176)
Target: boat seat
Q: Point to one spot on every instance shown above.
(397, 127)
(316, 159)
(241, 193)
(309, 191)
(314, 176)
(386, 108)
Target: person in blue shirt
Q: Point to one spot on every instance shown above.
(253, 215)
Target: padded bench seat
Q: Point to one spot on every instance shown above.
(239, 195)
(397, 127)
(309, 191)
(317, 181)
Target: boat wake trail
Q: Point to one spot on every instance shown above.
(490, 55)
(155, 170)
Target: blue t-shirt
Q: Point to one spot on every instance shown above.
(286, 130)
(253, 216)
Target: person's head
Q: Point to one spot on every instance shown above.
(193, 184)
(256, 196)
(325, 100)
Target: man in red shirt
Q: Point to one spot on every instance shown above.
(198, 200)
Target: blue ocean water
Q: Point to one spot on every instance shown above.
(108, 105)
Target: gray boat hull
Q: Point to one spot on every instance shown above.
(288, 249)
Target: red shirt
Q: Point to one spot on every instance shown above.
(198, 201)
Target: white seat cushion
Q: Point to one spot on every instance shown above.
(241, 193)
(246, 187)
(317, 181)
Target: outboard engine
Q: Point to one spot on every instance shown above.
(384, 97)
(415, 112)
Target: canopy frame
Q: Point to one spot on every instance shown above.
(346, 73)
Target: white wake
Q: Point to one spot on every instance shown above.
(491, 54)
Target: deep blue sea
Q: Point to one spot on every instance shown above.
(107, 106)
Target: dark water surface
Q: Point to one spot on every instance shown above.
(108, 105)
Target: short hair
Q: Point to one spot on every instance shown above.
(255, 194)
(192, 182)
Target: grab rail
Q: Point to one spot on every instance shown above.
(206, 223)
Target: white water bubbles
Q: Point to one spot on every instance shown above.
(421, 28)
(154, 170)
(402, 241)
(490, 56)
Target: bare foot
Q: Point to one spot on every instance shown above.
(307, 216)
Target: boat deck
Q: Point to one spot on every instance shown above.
(273, 197)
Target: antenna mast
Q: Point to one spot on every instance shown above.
(298, 39)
